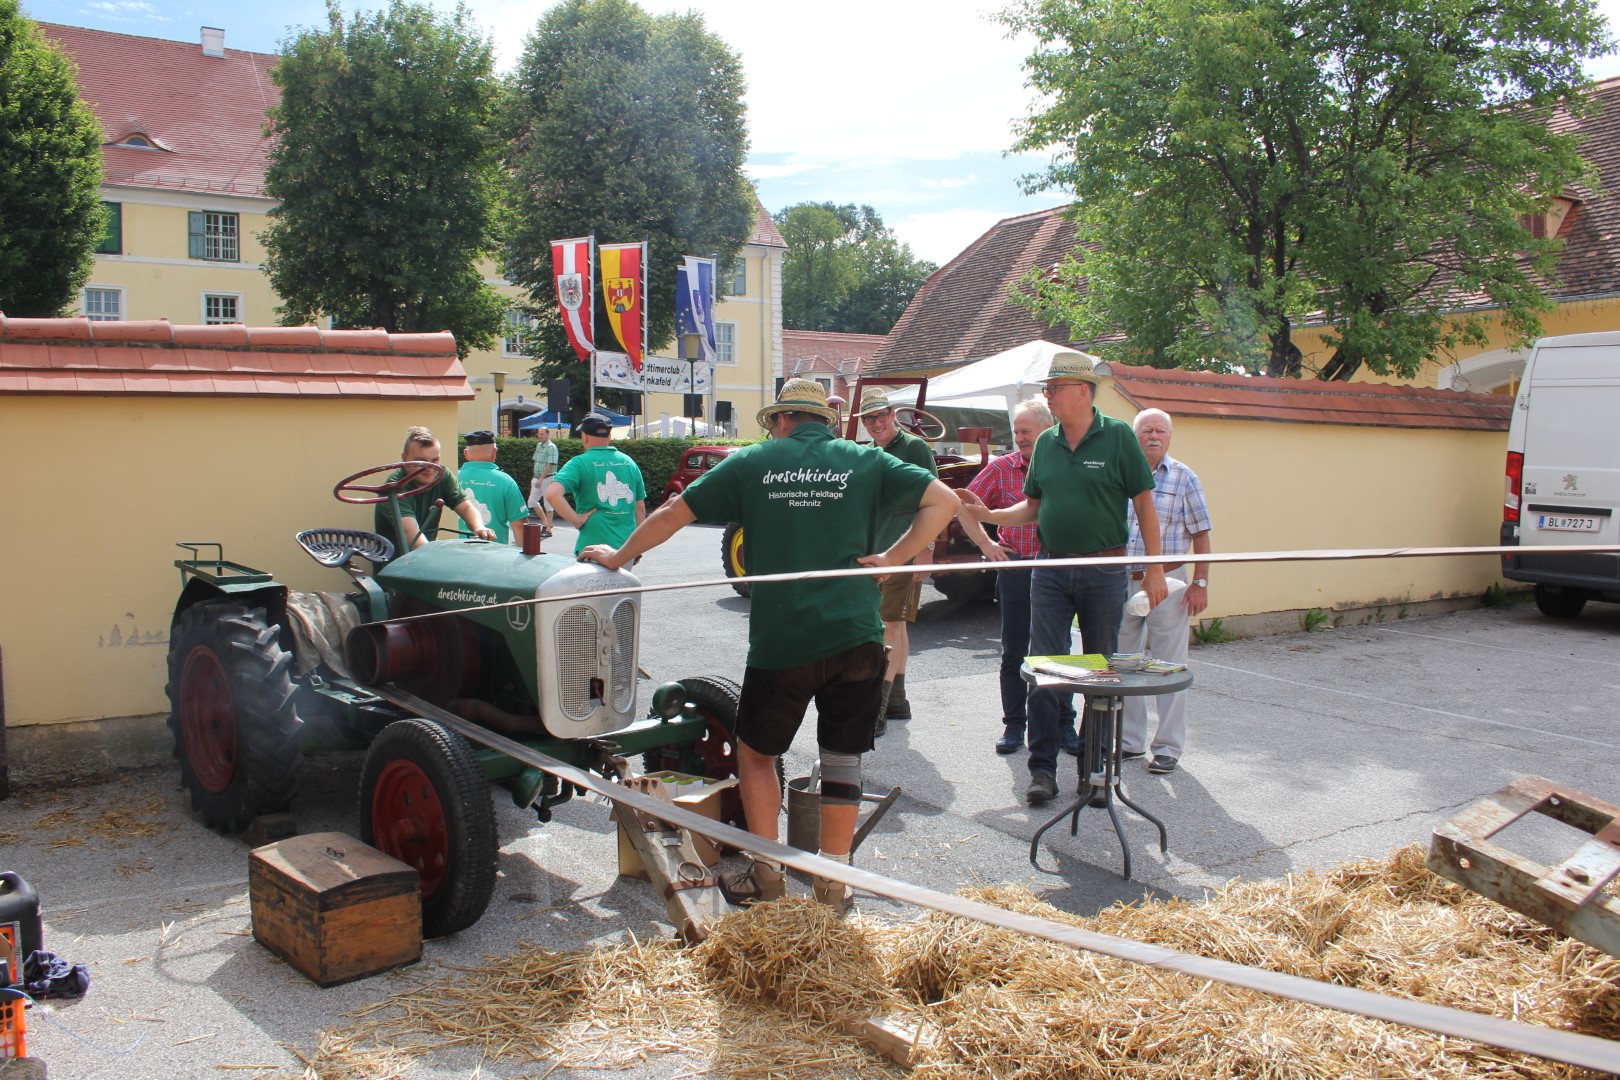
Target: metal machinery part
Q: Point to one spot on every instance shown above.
(1569, 897)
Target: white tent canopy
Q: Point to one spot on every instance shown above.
(997, 382)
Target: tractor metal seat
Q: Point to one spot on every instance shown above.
(335, 547)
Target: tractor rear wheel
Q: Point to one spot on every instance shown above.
(424, 801)
(733, 556)
(236, 732)
(714, 755)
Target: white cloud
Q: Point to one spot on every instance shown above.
(126, 11)
(949, 182)
(940, 237)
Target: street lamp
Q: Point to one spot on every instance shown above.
(500, 386)
(693, 351)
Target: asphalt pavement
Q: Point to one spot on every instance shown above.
(1304, 750)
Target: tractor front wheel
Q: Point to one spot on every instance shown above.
(733, 557)
(424, 801)
(236, 731)
(714, 755)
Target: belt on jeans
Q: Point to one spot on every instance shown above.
(1103, 554)
(1137, 575)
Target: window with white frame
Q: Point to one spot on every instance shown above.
(518, 328)
(222, 308)
(739, 282)
(725, 344)
(103, 304)
(214, 236)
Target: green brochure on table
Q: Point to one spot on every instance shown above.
(1072, 666)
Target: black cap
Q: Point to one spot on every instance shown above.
(480, 438)
(596, 425)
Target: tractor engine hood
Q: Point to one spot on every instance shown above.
(577, 657)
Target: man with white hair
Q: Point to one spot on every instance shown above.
(1178, 499)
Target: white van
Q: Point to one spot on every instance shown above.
(1563, 472)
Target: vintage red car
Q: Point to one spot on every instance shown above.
(694, 463)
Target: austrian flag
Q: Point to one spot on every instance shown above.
(571, 263)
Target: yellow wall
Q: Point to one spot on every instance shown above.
(161, 282)
(1278, 487)
(108, 484)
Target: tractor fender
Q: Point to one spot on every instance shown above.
(271, 596)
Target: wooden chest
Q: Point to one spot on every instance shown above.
(334, 908)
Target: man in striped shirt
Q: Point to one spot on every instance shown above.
(1184, 529)
(1001, 484)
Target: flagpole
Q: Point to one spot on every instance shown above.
(646, 302)
(596, 283)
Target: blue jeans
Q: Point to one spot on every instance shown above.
(1012, 593)
(1096, 596)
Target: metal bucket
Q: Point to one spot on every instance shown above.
(804, 812)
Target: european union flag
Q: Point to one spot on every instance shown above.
(694, 303)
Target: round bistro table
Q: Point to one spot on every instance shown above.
(1100, 737)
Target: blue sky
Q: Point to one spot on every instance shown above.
(903, 105)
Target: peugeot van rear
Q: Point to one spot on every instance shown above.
(1563, 472)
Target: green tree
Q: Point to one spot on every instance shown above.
(386, 165)
(1243, 165)
(51, 216)
(630, 126)
(845, 270)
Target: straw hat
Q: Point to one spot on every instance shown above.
(1071, 367)
(873, 400)
(799, 395)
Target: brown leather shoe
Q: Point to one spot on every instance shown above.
(834, 894)
(755, 884)
(1042, 789)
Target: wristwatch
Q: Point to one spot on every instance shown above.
(1201, 582)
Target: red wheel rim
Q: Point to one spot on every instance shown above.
(208, 719)
(717, 749)
(407, 822)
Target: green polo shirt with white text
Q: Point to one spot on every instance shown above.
(1084, 491)
(913, 451)
(810, 501)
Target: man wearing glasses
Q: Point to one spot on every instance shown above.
(1083, 473)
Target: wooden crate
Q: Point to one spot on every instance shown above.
(334, 908)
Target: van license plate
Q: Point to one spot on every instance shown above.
(1552, 523)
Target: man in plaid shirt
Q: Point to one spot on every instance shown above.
(1001, 484)
(1184, 528)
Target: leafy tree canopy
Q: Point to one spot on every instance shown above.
(630, 126)
(845, 270)
(1241, 166)
(386, 166)
(51, 216)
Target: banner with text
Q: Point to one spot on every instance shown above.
(658, 374)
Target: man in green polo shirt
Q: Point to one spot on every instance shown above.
(807, 500)
(1083, 473)
(419, 513)
(902, 592)
(600, 492)
(495, 497)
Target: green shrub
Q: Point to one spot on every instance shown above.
(1314, 620)
(1210, 632)
(657, 458)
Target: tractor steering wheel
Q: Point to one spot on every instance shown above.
(924, 425)
(428, 472)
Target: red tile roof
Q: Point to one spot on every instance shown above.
(207, 112)
(766, 233)
(77, 356)
(1258, 397)
(804, 351)
(962, 312)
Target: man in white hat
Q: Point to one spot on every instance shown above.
(807, 500)
(902, 592)
(1083, 473)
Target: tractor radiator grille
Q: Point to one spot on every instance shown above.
(624, 656)
(576, 660)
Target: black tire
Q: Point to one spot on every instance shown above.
(424, 801)
(1559, 603)
(236, 732)
(978, 586)
(734, 557)
(714, 756)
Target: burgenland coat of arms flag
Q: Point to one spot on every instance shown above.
(623, 287)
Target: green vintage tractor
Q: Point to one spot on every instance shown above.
(416, 655)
